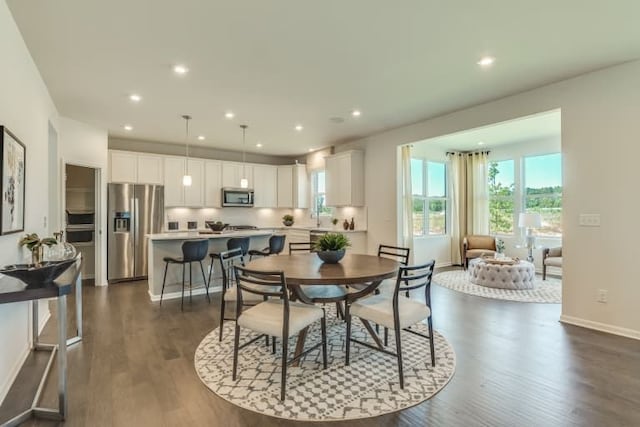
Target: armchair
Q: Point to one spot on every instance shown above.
(475, 246)
(551, 257)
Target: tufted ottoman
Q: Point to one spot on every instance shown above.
(516, 276)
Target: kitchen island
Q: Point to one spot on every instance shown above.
(170, 245)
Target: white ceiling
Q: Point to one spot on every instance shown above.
(532, 128)
(282, 62)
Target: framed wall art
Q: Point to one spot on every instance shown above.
(12, 169)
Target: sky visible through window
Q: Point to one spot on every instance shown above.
(544, 171)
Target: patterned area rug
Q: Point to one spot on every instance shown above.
(367, 388)
(548, 291)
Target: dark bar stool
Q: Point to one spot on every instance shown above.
(192, 251)
(241, 243)
(276, 245)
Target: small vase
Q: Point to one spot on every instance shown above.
(36, 255)
(345, 224)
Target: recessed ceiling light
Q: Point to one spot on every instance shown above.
(180, 69)
(258, 145)
(486, 61)
(201, 138)
(128, 128)
(135, 97)
(356, 113)
(299, 128)
(229, 115)
(481, 143)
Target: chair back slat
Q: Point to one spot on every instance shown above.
(267, 279)
(300, 247)
(414, 277)
(397, 253)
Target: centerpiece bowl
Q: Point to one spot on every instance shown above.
(37, 275)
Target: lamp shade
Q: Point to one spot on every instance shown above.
(529, 220)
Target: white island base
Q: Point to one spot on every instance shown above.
(170, 245)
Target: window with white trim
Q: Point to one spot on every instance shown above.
(430, 198)
(318, 193)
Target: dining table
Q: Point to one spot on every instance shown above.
(309, 269)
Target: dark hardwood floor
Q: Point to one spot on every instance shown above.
(516, 366)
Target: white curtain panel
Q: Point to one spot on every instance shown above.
(407, 200)
(477, 193)
(457, 191)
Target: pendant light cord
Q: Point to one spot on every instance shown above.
(244, 144)
(186, 118)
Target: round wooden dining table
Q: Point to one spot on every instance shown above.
(308, 269)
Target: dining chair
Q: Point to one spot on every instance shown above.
(276, 245)
(276, 316)
(396, 312)
(192, 251)
(241, 243)
(321, 294)
(396, 253)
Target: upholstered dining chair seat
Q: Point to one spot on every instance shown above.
(267, 317)
(232, 295)
(379, 309)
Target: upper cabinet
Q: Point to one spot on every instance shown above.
(345, 179)
(136, 168)
(213, 183)
(265, 186)
(194, 194)
(174, 168)
(233, 172)
(293, 187)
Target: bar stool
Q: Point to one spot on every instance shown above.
(241, 243)
(192, 251)
(276, 245)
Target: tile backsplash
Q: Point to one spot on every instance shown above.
(261, 217)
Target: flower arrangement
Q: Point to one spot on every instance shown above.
(35, 245)
(500, 246)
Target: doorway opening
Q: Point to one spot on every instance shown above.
(81, 205)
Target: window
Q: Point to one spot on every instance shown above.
(429, 189)
(318, 197)
(501, 197)
(543, 191)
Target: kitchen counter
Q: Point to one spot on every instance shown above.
(170, 245)
(322, 229)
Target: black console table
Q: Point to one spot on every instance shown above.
(13, 290)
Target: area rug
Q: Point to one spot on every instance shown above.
(547, 291)
(367, 388)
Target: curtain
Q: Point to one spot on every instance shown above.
(477, 193)
(407, 200)
(457, 191)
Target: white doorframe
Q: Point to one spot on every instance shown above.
(98, 235)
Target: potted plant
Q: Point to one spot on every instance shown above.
(331, 247)
(287, 220)
(36, 245)
(334, 221)
(500, 248)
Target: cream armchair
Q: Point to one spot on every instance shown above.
(551, 257)
(475, 246)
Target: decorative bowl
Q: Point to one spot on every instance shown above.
(37, 275)
(331, 257)
(216, 226)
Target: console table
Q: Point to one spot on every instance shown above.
(13, 290)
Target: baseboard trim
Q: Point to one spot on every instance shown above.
(444, 264)
(15, 370)
(174, 295)
(602, 327)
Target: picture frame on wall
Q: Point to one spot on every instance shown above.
(13, 155)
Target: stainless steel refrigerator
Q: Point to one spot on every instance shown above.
(135, 210)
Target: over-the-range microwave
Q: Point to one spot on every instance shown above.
(238, 197)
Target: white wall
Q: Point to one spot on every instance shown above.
(25, 108)
(600, 132)
(84, 145)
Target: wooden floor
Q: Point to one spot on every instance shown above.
(516, 366)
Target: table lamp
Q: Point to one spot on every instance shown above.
(530, 221)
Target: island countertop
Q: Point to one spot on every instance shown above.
(195, 235)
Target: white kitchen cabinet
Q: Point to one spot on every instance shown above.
(345, 179)
(194, 194)
(123, 167)
(265, 186)
(174, 168)
(212, 184)
(150, 169)
(233, 172)
(293, 187)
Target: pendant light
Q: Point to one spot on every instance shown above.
(186, 179)
(244, 182)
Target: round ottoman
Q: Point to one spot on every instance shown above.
(516, 276)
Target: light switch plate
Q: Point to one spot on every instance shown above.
(589, 220)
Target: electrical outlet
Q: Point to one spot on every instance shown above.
(589, 220)
(602, 295)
